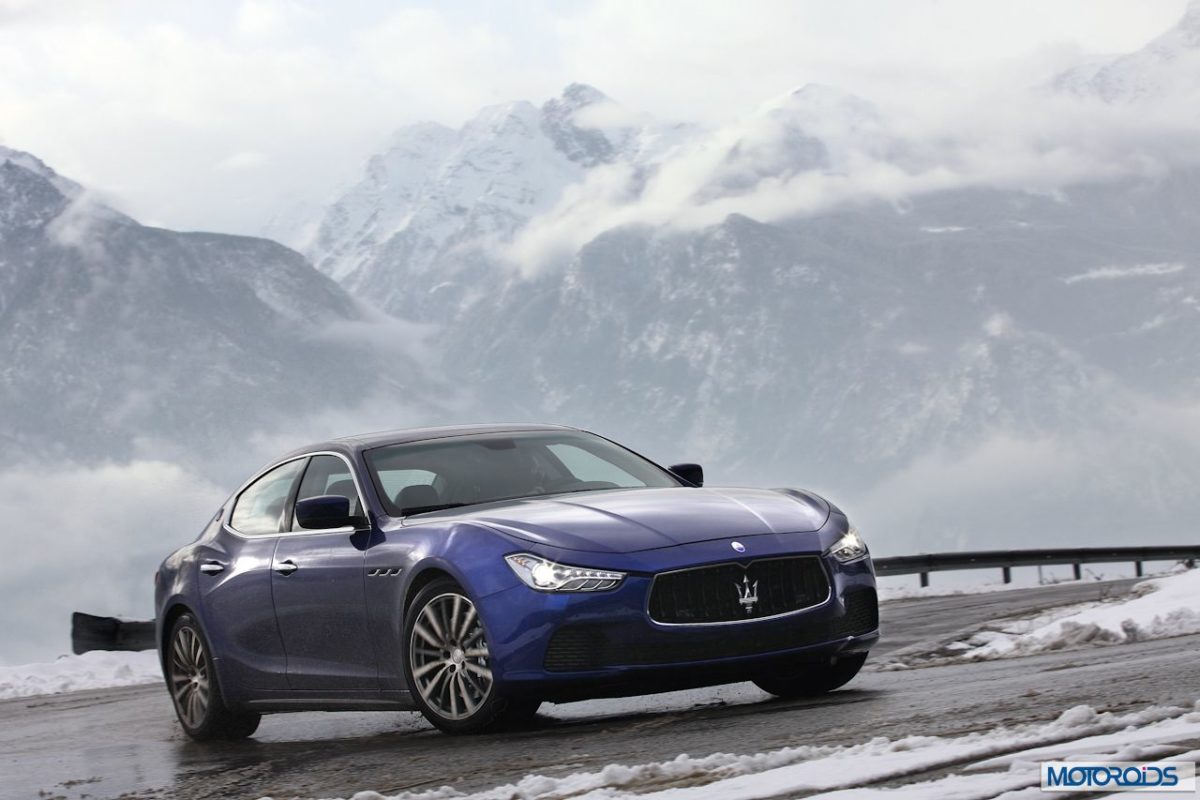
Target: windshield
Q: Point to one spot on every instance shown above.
(466, 470)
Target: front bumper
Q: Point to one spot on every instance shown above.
(569, 646)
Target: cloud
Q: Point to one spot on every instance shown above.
(246, 159)
(610, 114)
(1085, 488)
(708, 60)
(167, 95)
(170, 89)
(999, 326)
(76, 227)
(89, 539)
(396, 340)
(263, 19)
(1135, 271)
(766, 166)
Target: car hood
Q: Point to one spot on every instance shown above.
(626, 521)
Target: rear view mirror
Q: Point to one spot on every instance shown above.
(325, 511)
(690, 473)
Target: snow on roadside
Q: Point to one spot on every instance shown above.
(980, 764)
(1158, 608)
(94, 670)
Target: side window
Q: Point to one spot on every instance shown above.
(259, 509)
(327, 475)
(589, 468)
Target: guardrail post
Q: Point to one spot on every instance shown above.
(1078, 571)
(1007, 572)
(924, 579)
(1137, 568)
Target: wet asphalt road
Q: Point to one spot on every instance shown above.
(125, 742)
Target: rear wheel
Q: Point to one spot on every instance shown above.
(813, 678)
(192, 682)
(448, 663)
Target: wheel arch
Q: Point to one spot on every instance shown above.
(425, 576)
(174, 611)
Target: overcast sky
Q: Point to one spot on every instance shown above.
(216, 115)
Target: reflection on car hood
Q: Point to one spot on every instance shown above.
(625, 521)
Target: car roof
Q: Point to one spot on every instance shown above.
(367, 441)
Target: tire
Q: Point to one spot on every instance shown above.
(195, 692)
(815, 678)
(447, 664)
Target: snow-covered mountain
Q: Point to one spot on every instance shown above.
(934, 357)
(848, 350)
(438, 199)
(118, 339)
(443, 202)
(1166, 68)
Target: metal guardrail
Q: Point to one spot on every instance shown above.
(89, 632)
(1005, 560)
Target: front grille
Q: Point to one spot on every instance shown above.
(582, 647)
(720, 593)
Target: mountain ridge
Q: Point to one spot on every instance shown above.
(137, 341)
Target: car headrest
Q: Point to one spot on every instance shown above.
(419, 495)
(345, 488)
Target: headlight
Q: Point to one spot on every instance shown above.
(850, 547)
(546, 576)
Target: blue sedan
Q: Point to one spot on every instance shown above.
(474, 572)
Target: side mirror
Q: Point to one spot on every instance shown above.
(326, 511)
(690, 473)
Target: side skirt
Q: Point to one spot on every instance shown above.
(333, 701)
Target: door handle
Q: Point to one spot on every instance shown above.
(212, 567)
(286, 567)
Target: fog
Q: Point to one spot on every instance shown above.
(89, 538)
(243, 116)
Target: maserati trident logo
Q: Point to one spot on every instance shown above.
(747, 593)
(738, 546)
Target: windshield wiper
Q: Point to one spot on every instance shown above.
(408, 512)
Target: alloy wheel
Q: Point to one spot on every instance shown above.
(189, 671)
(448, 655)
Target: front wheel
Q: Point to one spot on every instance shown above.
(449, 666)
(813, 679)
(192, 681)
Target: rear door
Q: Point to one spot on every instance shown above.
(320, 599)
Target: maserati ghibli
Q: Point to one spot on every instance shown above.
(472, 573)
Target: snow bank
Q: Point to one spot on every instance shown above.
(1154, 609)
(95, 670)
(980, 764)
(1157, 609)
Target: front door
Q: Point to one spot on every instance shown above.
(235, 583)
(320, 600)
